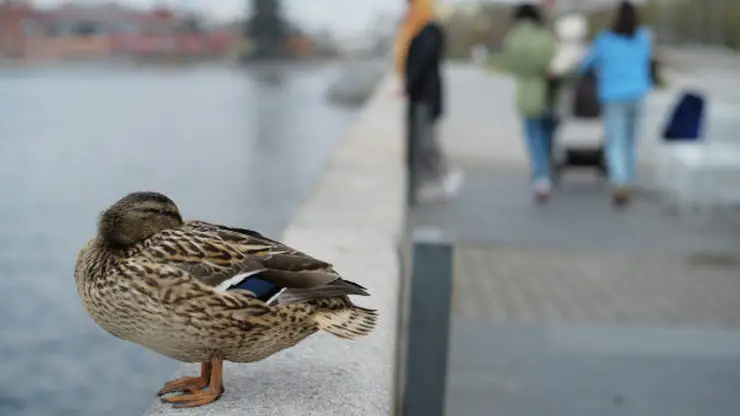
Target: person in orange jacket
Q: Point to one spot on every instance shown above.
(419, 54)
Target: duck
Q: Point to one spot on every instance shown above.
(199, 292)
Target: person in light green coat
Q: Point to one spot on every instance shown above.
(529, 48)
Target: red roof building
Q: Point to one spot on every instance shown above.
(95, 30)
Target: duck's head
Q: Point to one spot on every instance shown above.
(135, 217)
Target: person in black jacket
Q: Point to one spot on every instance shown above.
(421, 50)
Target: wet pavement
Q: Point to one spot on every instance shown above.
(228, 146)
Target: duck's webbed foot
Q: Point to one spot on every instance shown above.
(194, 398)
(197, 396)
(188, 383)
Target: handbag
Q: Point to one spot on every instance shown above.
(585, 99)
(686, 121)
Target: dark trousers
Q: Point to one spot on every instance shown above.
(425, 159)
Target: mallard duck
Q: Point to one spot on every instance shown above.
(204, 293)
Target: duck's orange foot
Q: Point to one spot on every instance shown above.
(197, 396)
(188, 383)
(184, 383)
(194, 398)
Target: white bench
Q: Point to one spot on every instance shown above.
(699, 176)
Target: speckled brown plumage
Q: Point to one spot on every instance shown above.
(149, 277)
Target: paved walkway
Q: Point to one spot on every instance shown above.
(510, 284)
(572, 308)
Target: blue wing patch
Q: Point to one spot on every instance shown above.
(264, 290)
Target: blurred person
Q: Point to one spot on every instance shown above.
(420, 50)
(573, 99)
(528, 50)
(621, 58)
(570, 31)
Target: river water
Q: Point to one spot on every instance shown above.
(228, 145)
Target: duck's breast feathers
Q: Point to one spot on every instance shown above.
(216, 254)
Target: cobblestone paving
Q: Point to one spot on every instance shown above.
(549, 286)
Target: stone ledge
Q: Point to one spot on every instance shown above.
(352, 219)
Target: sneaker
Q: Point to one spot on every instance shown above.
(445, 189)
(452, 183)
(542, 189)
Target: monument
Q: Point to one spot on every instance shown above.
(267, 30)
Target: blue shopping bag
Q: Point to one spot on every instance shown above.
(687, 120)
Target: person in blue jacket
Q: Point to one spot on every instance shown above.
(621, 59)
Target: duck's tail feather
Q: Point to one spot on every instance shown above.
(337, 288)
(349, 323)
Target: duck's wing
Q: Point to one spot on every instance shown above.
(227, 257)
(171, 285)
